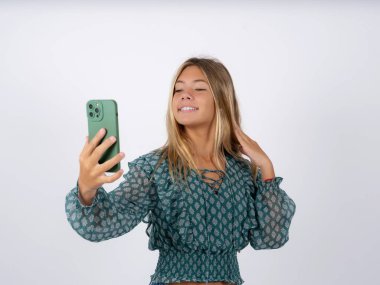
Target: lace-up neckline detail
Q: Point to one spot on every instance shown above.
(213, 183)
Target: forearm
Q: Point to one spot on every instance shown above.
(267, 170)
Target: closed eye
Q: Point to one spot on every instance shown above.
(197, 89)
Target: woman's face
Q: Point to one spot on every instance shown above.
(192, 90)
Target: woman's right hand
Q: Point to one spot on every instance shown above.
(92, 174)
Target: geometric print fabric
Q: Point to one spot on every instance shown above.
(198, 232)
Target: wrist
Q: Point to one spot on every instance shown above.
(267, 171)
(85, 196)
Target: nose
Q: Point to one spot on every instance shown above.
(186, 94)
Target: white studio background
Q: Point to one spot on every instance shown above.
(305, 74)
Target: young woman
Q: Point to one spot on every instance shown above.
(203, 201)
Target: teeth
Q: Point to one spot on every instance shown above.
(187, 108)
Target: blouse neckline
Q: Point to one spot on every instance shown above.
(222, 176)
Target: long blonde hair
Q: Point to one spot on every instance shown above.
(177, 148)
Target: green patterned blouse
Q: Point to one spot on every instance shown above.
(198, 230)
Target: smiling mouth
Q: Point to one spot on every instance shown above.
(187, 109)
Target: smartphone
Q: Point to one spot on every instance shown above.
(103, 114)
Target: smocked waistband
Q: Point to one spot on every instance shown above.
(174, 265)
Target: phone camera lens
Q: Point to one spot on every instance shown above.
(90, 106)
(91, 114)
(96, 110)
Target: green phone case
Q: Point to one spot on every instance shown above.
(103, 114)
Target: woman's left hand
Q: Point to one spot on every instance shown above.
(251, 148)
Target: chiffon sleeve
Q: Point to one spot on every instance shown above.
(273, 213)
(117, 212)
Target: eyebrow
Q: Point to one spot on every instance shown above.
(196, 80)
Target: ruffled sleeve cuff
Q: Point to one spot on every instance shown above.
(80, 201)
(267, 185)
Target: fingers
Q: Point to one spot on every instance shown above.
(113, 177)
(95, 140)
(99, 150)
(238, 132)
(243, 138)
(91, 173)
(90, 146)
(111, 162)
(235, 125)
(241, 135)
